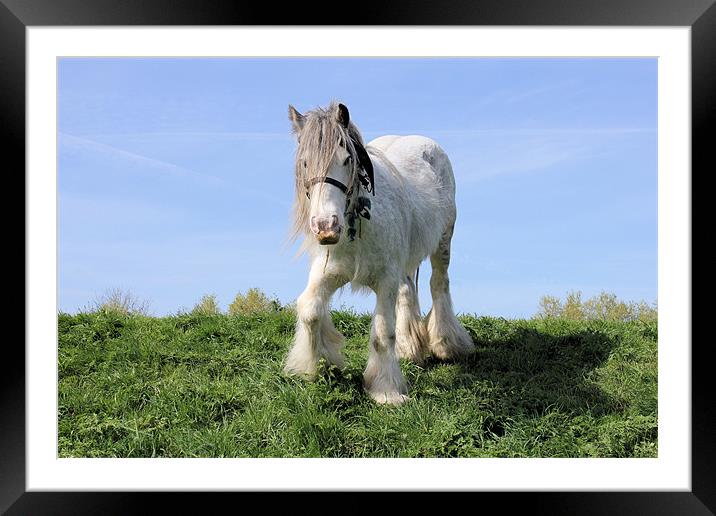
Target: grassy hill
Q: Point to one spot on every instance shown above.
(195, 385)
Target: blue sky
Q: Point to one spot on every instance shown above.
(175, 175)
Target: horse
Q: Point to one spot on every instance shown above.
(370, 214)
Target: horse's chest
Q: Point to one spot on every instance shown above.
(361, 268)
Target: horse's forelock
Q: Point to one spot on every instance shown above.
(320, 136)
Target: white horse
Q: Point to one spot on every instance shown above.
(370, 215)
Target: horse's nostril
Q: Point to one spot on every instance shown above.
(327, 224)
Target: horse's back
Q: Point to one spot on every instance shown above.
(407, 146)
(417, 157)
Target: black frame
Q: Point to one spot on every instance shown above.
(16, 15)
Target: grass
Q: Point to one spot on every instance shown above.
(198, 385)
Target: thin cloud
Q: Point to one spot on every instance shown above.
(82, 144)
(215, 135)
(513, 97)
(530, 160)
(496, 131)
(77, 143)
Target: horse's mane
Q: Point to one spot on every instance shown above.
(318, 140)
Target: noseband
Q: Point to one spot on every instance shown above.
(315, 180)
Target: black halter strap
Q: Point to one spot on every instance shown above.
(314, 180)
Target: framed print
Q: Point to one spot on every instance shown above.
(123, 110)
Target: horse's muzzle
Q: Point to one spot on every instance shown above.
(327, 231)
(328, 237)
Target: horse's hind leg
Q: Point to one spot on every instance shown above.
(411, 340)
(315, 337)
(446, 336)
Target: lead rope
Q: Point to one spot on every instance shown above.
(328, 252)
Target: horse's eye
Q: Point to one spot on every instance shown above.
(348, 159)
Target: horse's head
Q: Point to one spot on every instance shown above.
(328, 158)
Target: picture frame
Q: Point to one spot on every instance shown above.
(17, 15)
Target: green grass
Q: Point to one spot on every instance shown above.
(197, 385)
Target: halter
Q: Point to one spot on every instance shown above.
(362, 205)
(315, 180)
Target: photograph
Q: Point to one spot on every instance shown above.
(357, 257)
(418, 250)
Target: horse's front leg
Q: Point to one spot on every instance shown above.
(383, 379)
(315, 336)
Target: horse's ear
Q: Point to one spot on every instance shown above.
(296, 118)
(343, 117)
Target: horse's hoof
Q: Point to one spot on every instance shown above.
(389, 398)
(308, 376)
(452, 347)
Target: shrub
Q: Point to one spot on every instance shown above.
(573, 306)
(605, 306)
(207, 305)
(118, 301)
(550, 306)
(644, 311)
(252, 302)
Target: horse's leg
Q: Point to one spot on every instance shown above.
(315, 336)
(383, 379)
(447, 338)
(411, 340)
